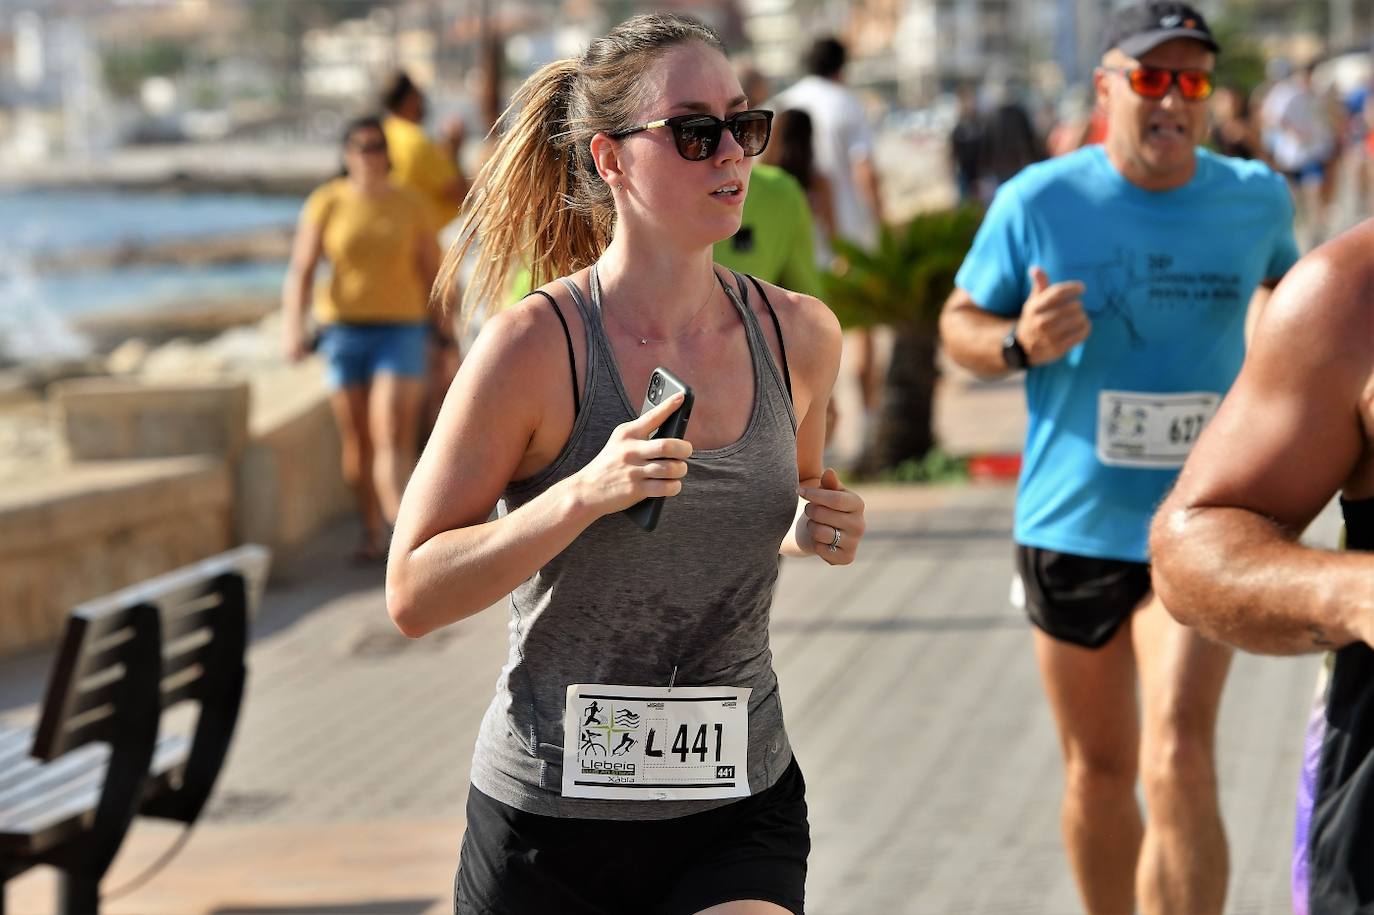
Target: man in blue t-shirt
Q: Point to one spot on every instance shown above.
(1119, 278)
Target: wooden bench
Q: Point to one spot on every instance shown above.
(100, 754)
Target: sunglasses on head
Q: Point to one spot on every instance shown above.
(1155, 82)
(698, 135)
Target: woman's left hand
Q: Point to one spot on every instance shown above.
(834, 519)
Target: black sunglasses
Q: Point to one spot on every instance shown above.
(698, 135)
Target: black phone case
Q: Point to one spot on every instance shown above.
(646, 512)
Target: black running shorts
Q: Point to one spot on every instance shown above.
(1080, 599)
(518, 863)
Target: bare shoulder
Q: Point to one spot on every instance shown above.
(529, 327)
(525, 340)
(810, 328)
(1324, 302)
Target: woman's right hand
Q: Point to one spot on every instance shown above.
(293, 344)
(633, 466)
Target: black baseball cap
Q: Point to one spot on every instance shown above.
(1141, 27)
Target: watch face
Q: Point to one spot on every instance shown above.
(1013, 354)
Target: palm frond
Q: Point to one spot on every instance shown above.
(909, 275)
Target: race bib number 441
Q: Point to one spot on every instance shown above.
(655, 743)
(1150, 430)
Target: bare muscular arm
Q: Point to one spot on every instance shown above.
(1289, 435)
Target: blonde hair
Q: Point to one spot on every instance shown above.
(538, 201)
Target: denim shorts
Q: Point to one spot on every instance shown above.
(354, 353)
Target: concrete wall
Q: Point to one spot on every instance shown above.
(100, 527)
(157, 476)
(103, 419)
(289, 482)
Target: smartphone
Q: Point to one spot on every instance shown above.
(662, 385)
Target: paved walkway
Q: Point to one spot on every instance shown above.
(911, 698)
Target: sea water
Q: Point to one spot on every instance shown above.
(36, 306)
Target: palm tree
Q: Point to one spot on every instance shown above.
(903, 284)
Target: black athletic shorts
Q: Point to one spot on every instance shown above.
(1080, 599)
(518, 863)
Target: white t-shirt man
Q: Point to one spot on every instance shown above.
(842, 137)
(1301, 128)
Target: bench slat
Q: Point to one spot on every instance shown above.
(61, 818)
(14, 743)
(107, 652)
(182, 688)
(192, 616)
(44, 796)
(45, 801)
(94, 726)
(100, 695)
(188, 666)
(33, 775)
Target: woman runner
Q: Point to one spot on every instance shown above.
(634, 758)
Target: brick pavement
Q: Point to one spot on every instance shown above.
(911, 699)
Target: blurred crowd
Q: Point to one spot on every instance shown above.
(817, 181)
(1311, 130)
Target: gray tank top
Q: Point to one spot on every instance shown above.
(622, 606)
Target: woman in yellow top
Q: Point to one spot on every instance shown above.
(380, 242)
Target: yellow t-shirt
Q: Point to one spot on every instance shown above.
(418, 162)
(372, 246)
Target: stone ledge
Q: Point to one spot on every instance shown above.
(100, 527)
(289, 483)
(85, 499)
(83, 529)
(106, 418)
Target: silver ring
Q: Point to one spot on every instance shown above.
(835, 544)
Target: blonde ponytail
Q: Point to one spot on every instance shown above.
(521, 212)
(538, 202)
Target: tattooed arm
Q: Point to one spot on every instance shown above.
(1294, 430)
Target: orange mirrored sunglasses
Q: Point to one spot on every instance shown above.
(1155, 82)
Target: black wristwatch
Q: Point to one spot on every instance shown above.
(1013, 353)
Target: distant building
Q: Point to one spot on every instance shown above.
(944, 43)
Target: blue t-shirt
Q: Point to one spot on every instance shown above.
(1168, 277)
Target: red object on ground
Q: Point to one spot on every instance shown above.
(994, 466)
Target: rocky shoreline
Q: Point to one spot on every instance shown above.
(220, 341)
(257, 168)
(270, 244)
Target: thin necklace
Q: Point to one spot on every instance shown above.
(645, 341)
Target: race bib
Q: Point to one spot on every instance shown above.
(1150, 430)
(648, 743)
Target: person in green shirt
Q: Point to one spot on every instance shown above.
(775, 241)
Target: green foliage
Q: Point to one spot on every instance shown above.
(907, 279)
(935, 467)
(1241, 61)
(125, 69)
